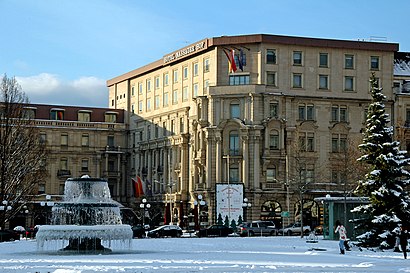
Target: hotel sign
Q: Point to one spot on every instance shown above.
(185, 51)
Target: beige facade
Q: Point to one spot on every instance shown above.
(194, 124)
(80, 141)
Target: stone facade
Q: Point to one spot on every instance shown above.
(277, 125)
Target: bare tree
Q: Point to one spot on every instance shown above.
(22, 155)
(350, 169)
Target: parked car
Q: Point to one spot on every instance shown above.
(31, 232)
(165, 231)
(257, 228)
(215, 230)
(294, 229)
(138, 231)
(9, 235)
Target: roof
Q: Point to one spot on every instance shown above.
(197, 47)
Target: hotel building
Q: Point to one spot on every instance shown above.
(261, 117)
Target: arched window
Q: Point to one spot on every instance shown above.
(271, 210)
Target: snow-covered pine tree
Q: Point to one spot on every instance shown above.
(389, 202)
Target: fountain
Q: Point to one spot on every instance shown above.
(86, 220)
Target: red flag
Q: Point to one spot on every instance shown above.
(137, 185)
(233, 64)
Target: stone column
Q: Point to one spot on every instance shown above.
(245, 161)
(256, 165)
(218, 156)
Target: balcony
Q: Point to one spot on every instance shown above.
(63, 173)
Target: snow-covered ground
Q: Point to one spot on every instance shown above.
(232, 254)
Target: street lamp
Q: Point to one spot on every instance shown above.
(246, 205)
(144, 206)
(47, 203)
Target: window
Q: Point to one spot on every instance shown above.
(235, 110)
(181, 125)
(339, 143)
(234, 143)
(43, 138)
(133, 108)
(110, 117)
(185, 72)
(172, 127)
(165, 99)
(164, 129)
(274, 140)
(140, 106)
(140, 88)
(57, 114)
(349, 61)
(349, 83)
(185, 93)
(41, 188)
(132, 90)
(297, 80)
(306, 142)
(324, 82)
(323, 60)
(148, 104)
(175, 78)
(156, 131)
(148, 132)
(156, 102)
(271, 78)
(297, 58)
(29, 113)
(273, 109)
(166, 79)
(271, 174)
(238, 79)
(339, 113)
(306, 112)
(148, 85)
(156, 82)
(64, 140)
(234, 173)
(271, 56)
(196, 87)
(84, 116)
(374, 63)
(110, 141)
(64, 164)
(85, 140)
(206, 65)
(308, 175)
(196, 71)
(175, 97)
(84, 165)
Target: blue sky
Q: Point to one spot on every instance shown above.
(63, 51)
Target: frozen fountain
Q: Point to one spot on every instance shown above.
(88, 220)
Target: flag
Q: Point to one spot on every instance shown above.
(230, 54)
(137, 186)
(240, 60)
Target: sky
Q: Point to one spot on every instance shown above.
(202, 255)
(63, 52)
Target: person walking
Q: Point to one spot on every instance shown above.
(342, 236)
(404, 236)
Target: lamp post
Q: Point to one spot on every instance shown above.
(45, 204)
(199, 203)
(144, 206)
(246, 205)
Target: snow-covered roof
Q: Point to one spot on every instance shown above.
(401, 64)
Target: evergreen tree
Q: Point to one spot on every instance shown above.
(220, 221)
(226, 222)
(385, 183)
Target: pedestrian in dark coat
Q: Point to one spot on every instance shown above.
(404, 236)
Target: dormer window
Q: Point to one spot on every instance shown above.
(84, 115)
(111, 117)
(57, 114)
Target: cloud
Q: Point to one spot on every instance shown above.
(48, 88)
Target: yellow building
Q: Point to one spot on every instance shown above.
(264, 117)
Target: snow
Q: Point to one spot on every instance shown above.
(232, 254)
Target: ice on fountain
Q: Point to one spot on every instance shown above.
(87, 213)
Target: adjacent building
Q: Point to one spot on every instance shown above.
(251, 126)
